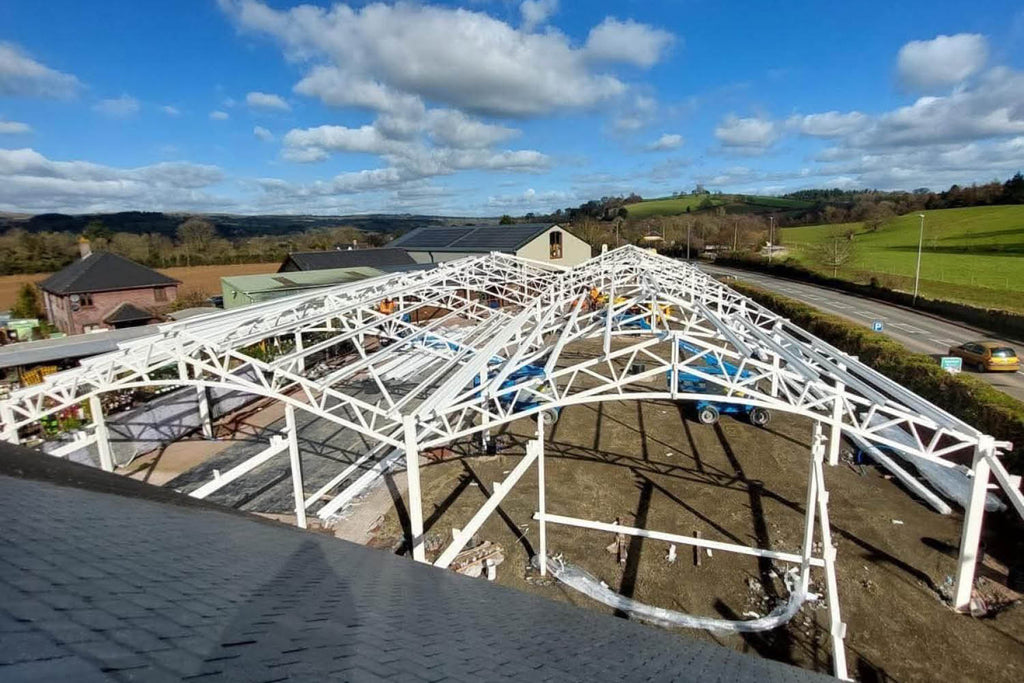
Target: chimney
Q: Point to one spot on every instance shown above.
(83, 247)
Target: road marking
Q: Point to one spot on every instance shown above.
(949, 342)
(869, 314)
(908, 328)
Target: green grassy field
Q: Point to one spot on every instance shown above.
(668, 206)
(673, 206)
(974, 255)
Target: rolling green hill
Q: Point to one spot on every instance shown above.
(674, 206)
(974, 254)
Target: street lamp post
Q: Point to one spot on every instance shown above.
(920, 243)
(687, 241)
(771, 238)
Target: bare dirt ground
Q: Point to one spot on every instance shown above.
(205, 278)
(652, 466)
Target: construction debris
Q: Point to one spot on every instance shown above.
(483, 558)
(619, 547)
(671, 557)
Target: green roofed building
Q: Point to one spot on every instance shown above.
(243, 290)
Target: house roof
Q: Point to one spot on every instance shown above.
(102, 271)
(302, 279)
(347, 258)
(75, 346)
(114, 579)
(472, 239)
(127, 313)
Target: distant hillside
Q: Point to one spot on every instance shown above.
(230, 226)
(974, 254)
(729, 204)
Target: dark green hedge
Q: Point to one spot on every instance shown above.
(972, 400)
(1002, 322)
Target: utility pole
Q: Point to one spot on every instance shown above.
(735, 233)
(687, 241)
(920, 243)
(771, 237)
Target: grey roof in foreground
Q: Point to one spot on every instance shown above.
(108, 579)
(345, 258)
(75, 346)
(471, 239)
(102, 271)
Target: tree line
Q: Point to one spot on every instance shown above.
(196, 242)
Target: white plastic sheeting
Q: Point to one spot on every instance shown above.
(954, 482)
(584, 582)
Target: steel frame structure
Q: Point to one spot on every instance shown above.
(489, 316)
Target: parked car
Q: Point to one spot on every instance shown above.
(987, 356)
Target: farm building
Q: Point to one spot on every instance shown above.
(243, 290)
(536, 241)
(344, 258)
(104, 291)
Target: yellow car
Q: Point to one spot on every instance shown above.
(987, 356)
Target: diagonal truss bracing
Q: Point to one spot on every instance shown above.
(474, 343)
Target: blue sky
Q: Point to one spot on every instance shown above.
(483, 108)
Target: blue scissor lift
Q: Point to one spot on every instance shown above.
(709, 410)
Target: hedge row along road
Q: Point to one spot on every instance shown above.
(917, 331)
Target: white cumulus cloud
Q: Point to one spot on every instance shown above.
(945, 60)
(457, 58)
(828, 124)
(262, 100)
(218, 115)
(536, 12)
(118, 107)
(170, 110)
(20, 75)
(666, 142)
(751, 135)
(14, 127)
(628, 42)
(263, 134)
(30, 181)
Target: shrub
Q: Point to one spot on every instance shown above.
(972, 400)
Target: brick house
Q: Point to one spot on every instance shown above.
(104, 291)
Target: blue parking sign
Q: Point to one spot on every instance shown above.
(877, 326)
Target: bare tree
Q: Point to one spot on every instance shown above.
(195, 234)
(834, 253)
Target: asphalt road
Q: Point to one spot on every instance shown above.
(919, 332)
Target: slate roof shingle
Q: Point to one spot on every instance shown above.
(127, 313)
(347, 258)
(102, 271)
(115, 580)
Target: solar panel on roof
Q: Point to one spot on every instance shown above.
(427, 238)
(497, 238)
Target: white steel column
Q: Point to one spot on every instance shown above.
(776, 367)
(300, 367)
(412, 470)
(205, 419)
(810, 511)
(102, 435)
(540, 496)
(296, 463)
(837, 629)
(836, 434)
(970, 537)
(10, 434)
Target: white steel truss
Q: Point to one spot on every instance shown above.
(495, 338)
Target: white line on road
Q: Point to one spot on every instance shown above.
(908, 328)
